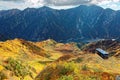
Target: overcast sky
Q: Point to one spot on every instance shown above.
(58, 4)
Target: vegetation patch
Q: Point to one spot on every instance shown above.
(69, 77)
(18, 68)
(78, 60)
(57, 70)
(85, 67)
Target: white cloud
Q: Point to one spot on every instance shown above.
(35, 3)
(57, 4)
(10, 5)
(113, 4)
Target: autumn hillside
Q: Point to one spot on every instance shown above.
(50, 60)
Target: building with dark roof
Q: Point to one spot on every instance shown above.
(102, 53)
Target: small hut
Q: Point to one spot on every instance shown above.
(102, 53)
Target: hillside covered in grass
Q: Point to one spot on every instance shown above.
(50, 60)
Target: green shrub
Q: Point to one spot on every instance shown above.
(66, 68)
(97, 70)
(55, 71)
(48, 55)
(78, 60)
(69, 77)
(86, 77)
(85, 68)
(17, 68)
(48, 75)
(94, 78)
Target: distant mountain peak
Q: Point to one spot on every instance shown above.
(46, 7)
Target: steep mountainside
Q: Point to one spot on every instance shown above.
(80, 23)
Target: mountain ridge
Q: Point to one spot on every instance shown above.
(75, 24)
(58, 9)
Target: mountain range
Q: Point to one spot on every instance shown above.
(75, 24)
